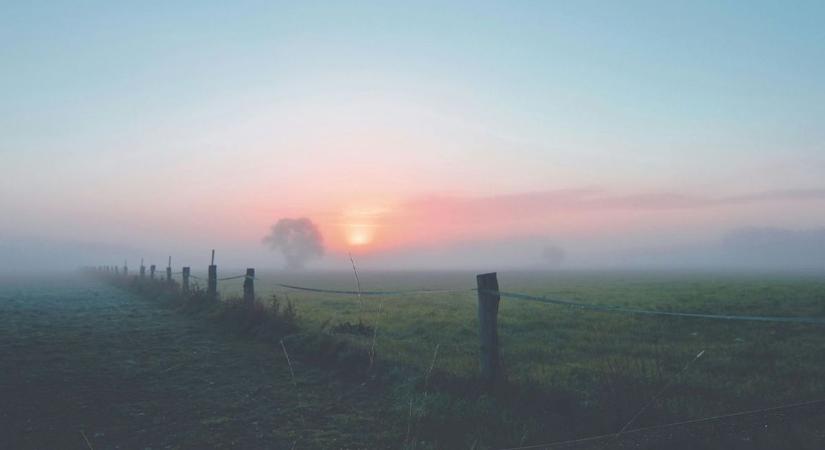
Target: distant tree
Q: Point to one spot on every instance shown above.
(299, 240)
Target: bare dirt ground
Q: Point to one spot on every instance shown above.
(85, 365)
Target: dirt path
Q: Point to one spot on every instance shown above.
(80, 360)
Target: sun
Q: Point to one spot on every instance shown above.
(360, 224)
(359, 235)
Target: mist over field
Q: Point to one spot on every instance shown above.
(743, 249)
(412, 225)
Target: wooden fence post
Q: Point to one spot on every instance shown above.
(249, 287)
(152, 272)
(212, 282)
(169, 272)
(488, 300)
(185, 280)
(142, 269)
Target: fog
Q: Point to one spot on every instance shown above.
(297, 245)
(741, 249)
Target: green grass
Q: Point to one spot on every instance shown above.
(134, 372)
(598, 367)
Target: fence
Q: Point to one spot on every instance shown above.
(489, 296)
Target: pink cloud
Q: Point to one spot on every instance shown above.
(437, 219)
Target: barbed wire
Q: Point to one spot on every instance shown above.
(234, 277)
(542, 299)
(653, 312)
(569, 303)
(376, 293)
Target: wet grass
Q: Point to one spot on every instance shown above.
(80, 360)
(573, 373)
(569, 373)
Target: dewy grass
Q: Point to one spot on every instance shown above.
(572, 373)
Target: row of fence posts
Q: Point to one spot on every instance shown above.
(488, 305)
(186, 274)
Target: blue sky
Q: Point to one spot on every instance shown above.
(724, 68)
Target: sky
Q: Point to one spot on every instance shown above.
(412, 134)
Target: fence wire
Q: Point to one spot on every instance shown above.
(374, 293)
(235, 277)
(653, 312)
(540, 299)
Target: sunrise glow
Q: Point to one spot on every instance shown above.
(399, 135)
(359, 235)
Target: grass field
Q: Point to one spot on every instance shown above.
(585, 373)
(87, 365)
(570, 373)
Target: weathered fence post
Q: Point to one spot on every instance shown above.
(142, 269)
(212, 282)
(488, 300)
(152, 272)
(249, 287)
(169, 272)
(185, 280)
